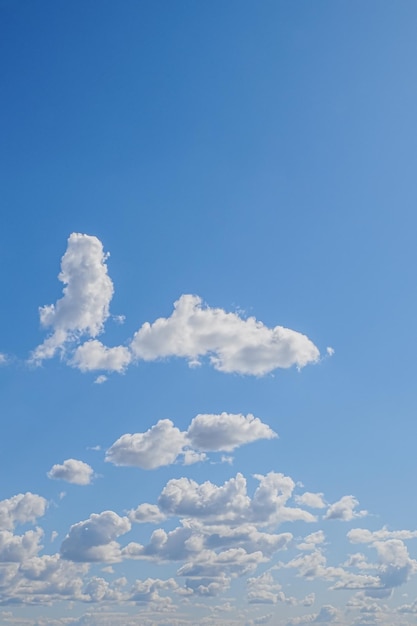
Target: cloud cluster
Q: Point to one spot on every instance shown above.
(230, 503)
(193, 331)
(164, 443)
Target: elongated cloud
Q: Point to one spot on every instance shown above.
(233, 344)
(230, 503)
(164, 443)
(226, 431)
(87, 293)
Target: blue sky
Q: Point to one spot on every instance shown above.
(208, 326)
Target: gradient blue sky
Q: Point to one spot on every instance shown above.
(259, 155)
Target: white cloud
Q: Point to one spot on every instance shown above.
(94, 539)
(3, 358)
(230, 503)
(72, 471)
(233, 562)
(158, 446)
(93, 355)
(312, 500)
(147, 591)
(344, 509)
(311, 541)
(363, 535)
(88, 290)
(191, 456)
(264, 590)
(395, 563)
(226, 431)
(18, 548)
(146, 513)
(163, 444)
(233, 344)
(21, 509)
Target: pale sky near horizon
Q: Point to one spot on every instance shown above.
(207, 347)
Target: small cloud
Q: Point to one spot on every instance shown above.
(100, 379)
(344, 509)
(72, 471)
(54, 535)
(330, 351)
(3, 358)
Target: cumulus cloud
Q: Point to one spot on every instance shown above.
(21, 509)
(147, 513)
(311, 541)
(233, 562)
(163, 444)
(18, 548)
(312, 500)
(72, 471)
(395, 563)
(264, 590)
(193, 331)
(226, 431)
(94, 539)
(87, 293)
(344, 509)
(93, 355)
(158, 446)
(230, 503)
(233, 344)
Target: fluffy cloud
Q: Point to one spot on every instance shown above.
(15, 548)
(230, 503)
(94, 538)
(193, 331)
(21, 509)
(226, 431)
(146, 513)
(147, 591)
(312, 500)
(395, 563)
(344, 509)
(88, 290)
(164, 443)
(93, 355)
(233, 344)
(160, 445)
(233, 562)
(264, 590)
(311, 541)
(72, 471)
